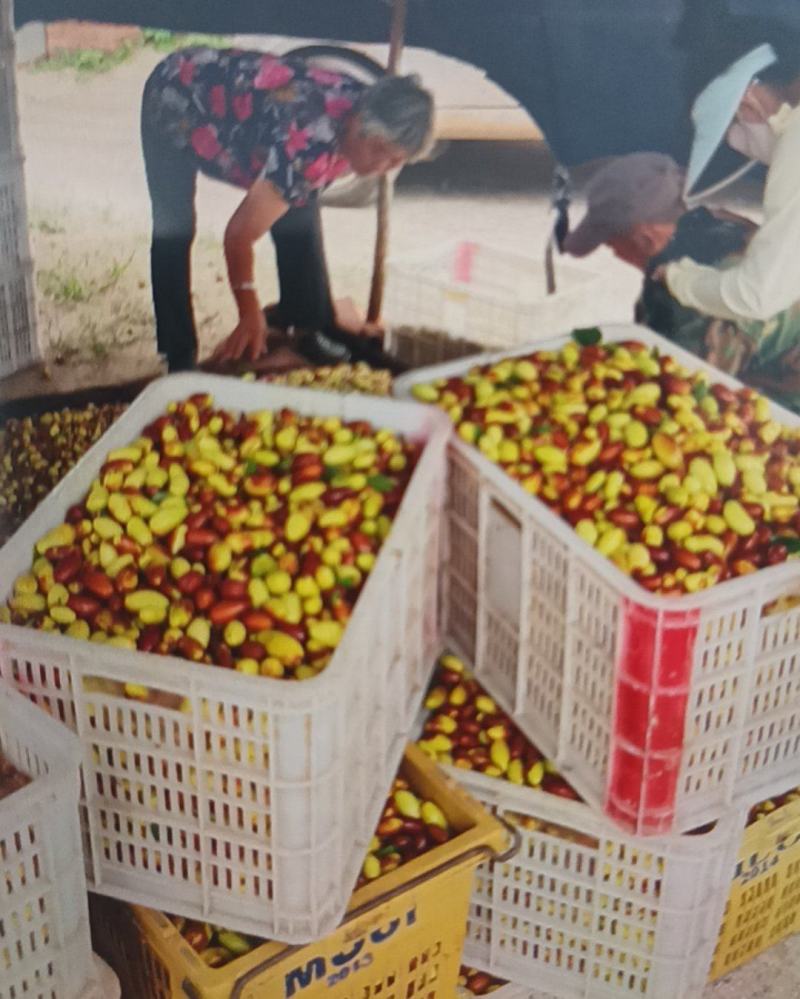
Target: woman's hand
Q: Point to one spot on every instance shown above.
(248, 340)
(261, 207)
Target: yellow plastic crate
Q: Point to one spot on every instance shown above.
(402, 936)
(764, 903)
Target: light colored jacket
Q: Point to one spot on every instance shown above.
(766, 281)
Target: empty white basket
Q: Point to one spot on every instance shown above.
(44, 923)
(489, 296)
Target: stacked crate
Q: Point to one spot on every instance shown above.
(18, 341)
(403, 933)
(44, 926)
(250, 801)
(165, 819)
(664, 714)
(616, 894)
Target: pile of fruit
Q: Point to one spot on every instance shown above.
(37, 452)
(11, 779)
(358, 377)
(409, 826)
(477, 983)
(215, 945)
(237, 540)
(682, 484)
(765, 808)
(466, 729)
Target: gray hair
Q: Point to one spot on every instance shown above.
(400, 110)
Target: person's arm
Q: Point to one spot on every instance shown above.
(767, 279)
(260, 209)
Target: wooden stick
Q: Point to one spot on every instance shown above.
(396, 36)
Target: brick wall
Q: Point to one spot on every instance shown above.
(69, 36)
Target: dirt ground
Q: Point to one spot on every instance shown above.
(89, 218)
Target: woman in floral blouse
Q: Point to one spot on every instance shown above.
(280, 130)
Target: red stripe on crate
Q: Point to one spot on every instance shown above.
(652, 676)
(462, 265)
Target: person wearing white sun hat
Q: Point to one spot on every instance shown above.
(753, 106)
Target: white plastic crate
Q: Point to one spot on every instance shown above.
(104, 983)
(14, 249)
(9, 121)
(605, 917)
(6, 20)
(44, 923)
(663, 712)
(490, 296)
(278, 855)
(19, 345)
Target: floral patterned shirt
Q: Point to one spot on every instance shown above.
(247, 116)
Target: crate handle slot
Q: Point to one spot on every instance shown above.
(502, 538)
(514, 836)
(484, 852)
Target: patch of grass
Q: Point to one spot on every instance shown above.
(62, 286)
(86, 62)
(97, 342)
(99, 348)
(48, 227)
(158, 38)
(115, 272)
(169, 41)
(90, 62)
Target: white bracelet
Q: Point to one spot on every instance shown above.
(245, 286)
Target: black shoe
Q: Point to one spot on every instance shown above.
(322, 349)
(331, 347)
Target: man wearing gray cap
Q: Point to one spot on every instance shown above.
(633, 204)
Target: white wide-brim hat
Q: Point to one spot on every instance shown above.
(715, 108)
